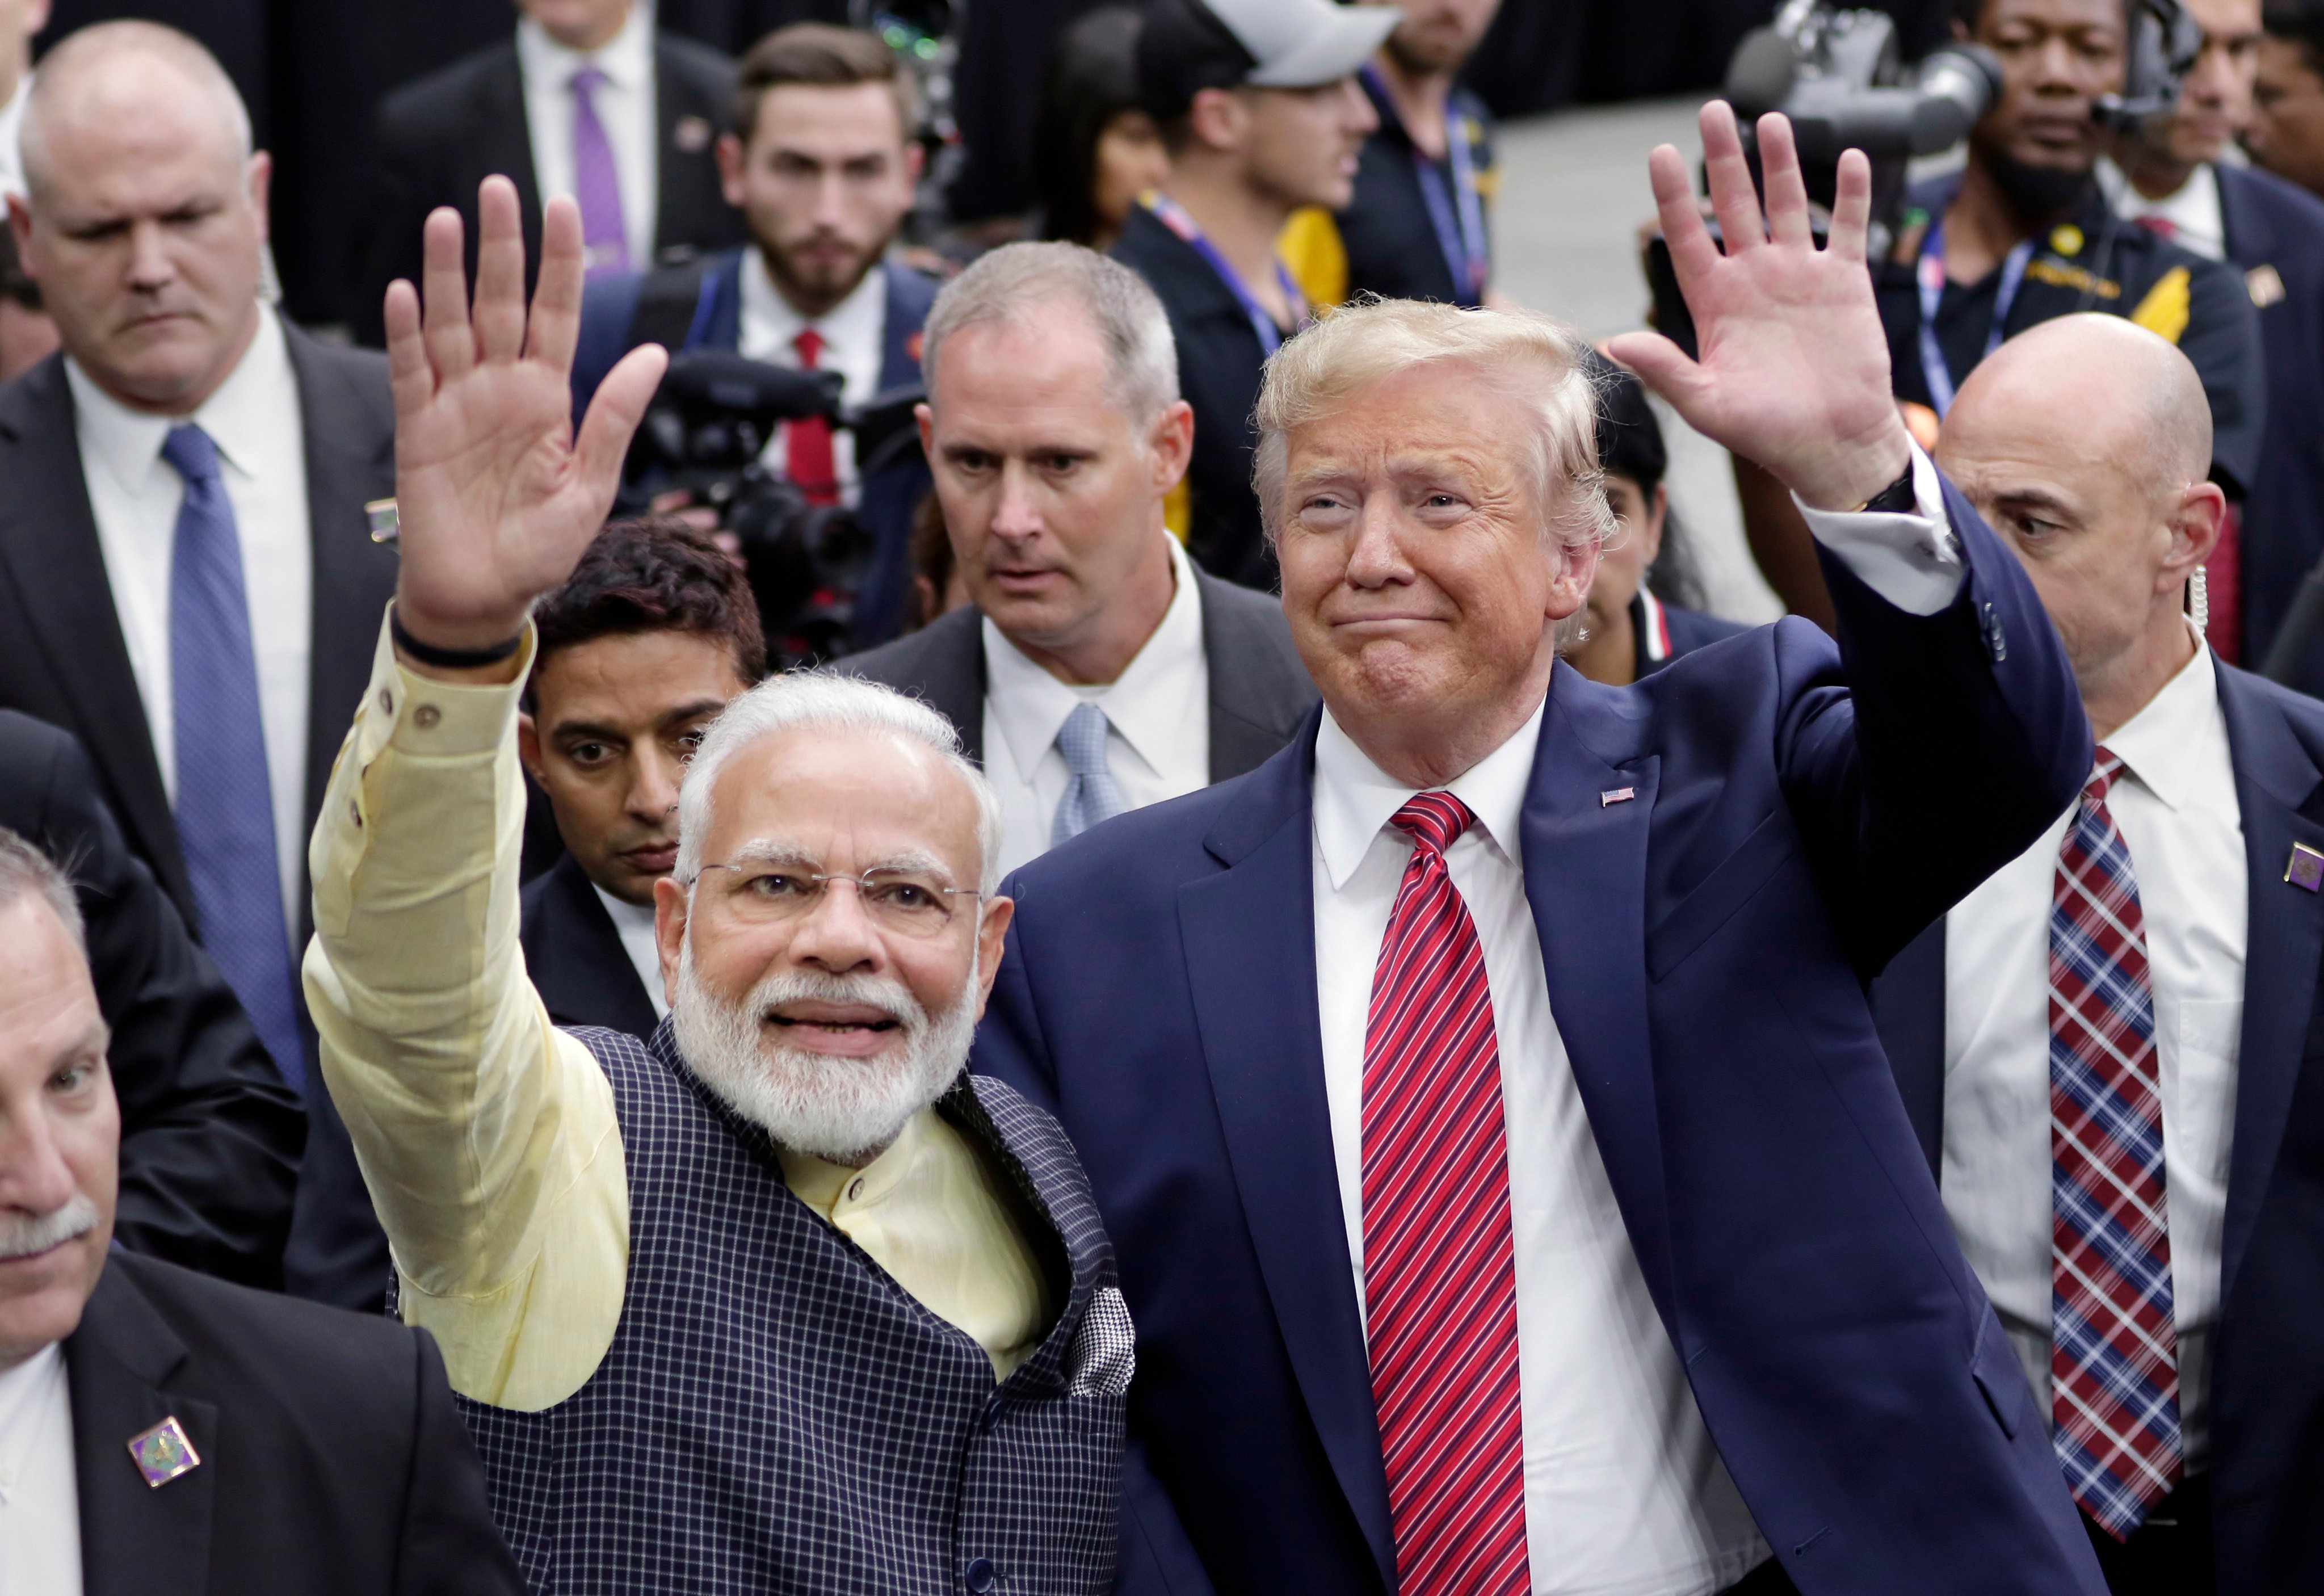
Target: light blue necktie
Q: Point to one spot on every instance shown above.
(225, 804)
(1092, 794)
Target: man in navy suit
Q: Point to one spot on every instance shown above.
(2170, 179)
(1503, 1011)
(2083, 443)
(823, 163)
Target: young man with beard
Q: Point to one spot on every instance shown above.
(823, 163)
(2022, 234)
(2169, 178)
(653, 634)
(780, 1300)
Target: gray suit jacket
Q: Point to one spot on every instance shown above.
(1260, 691)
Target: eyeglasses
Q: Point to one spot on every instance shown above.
(913, 902)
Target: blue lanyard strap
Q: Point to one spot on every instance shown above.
(1458, 218)
(1930, 270)
(1173, 216)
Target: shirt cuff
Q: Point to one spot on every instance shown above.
(1913, 561)
(420, 715)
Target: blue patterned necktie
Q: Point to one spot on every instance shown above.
(1092, 794)
(225, 803)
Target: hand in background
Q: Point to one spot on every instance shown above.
(496, 498)
(1793, 371)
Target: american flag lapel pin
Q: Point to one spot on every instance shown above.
(2306, 870)
(1617, 795)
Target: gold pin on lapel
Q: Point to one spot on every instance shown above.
(163, 1453)
(2306, 870)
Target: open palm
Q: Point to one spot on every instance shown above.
(496, 498)
(1792, 368)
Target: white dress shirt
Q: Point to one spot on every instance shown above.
(635, 926)
(1158, 712)
(854, 344)
(40, 1499)
(2197, 223)
(2174, 802)
(255, 420)
(624, 104)
(12, 123)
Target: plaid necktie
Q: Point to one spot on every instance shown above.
(1440, 1266)
(225, 807)
(2113, 1353)
(596, 181)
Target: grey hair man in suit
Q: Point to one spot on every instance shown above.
(186, 578)
(1096, 669)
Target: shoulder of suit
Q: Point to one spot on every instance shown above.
(264, 1329)
(710, 69)
(448, 88)
(2305, 714)
(31, 754)
(912, 662)
(2286, 202)
(910, 288)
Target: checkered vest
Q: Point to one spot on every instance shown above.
(777, 1414)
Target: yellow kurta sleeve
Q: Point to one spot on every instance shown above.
(487, 1135)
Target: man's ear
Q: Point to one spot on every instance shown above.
(1172, 442)
(2195, 527)
(1216, 119)
(731, 157)
(671, 905)
(527, 743)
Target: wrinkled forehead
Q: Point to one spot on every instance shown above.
(848, 800)
(1442, 416)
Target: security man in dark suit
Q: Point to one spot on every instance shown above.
(210, 1135)
(1096, 668)
(167, 1429)
(187, 574)
(587, 86)
(648, 639)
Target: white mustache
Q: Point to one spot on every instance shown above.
(24, 1237)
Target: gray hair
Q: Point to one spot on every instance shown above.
(25, 870)
(1535, 359)
(1021, 283)
(95, 49)
(827, 701)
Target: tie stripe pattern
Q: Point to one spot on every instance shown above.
(2114, 1357)
(1440, 1274)
(1092, 794)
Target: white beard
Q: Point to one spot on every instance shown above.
(833, 1108)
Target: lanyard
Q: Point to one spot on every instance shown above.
(1173, 216)
(1458, 218)
(1930, 270)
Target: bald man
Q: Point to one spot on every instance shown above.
(186, 577)
(2101, 1046)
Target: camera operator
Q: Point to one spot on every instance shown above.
(2167, 177)
(2023, 234)
(823, 162)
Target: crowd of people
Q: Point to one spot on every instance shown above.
(1263, 998)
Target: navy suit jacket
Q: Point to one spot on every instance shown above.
(2275, 232)
(2267, 1376)
(1801, 813)
(888, 496)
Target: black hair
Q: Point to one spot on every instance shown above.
(653, 574)
(2301, 22)
(1630, 446)
(1091, 78)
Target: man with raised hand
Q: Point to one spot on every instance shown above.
(778, 1300)
(1512, 1192)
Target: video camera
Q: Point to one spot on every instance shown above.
(710, 423)
(1837, 75)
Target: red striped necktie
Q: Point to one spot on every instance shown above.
(1440, 1273)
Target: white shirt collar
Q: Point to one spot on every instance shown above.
(1355, 799)
(238, 416)
(2197, 222)
(2153, 743)
(626, 58)
(856, 322)
(12, 120)
(1031, 705)
(22, 1391)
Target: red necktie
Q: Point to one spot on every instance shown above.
(2162, 227)
(1440, 1272)
(807, 444)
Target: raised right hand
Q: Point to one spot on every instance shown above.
(495, 497)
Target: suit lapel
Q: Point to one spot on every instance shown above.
(48, 544)
(2277, 789)
(953, 675)
(687, 185)
(1250, 937)
(1585, 872)
(507, 139)
(136, 1537)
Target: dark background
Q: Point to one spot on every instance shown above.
(313, 70)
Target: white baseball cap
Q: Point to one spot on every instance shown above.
(1186, 46)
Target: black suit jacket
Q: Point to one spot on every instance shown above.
(1260, 691)
(576, 957)
(210, 1135)
(333, 1462)
(2267, 1374)
(441, 136)
(63, 660)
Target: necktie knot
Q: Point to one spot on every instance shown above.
(191, 451)
(810, 347)
(2103, 770)
(1435, 820)
(1082, 740)
(587, 81)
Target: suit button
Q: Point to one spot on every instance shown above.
(980, 1575)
